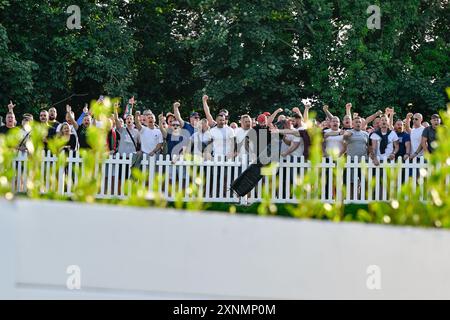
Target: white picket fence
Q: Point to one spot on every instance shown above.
(353, 182)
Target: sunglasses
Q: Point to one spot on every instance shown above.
(415, 119)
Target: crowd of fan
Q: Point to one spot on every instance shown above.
(380, 136)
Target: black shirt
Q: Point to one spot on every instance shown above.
(71, 144)
(430, 134)
(82, 137)
(4, 129)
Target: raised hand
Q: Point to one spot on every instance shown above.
(138, 113)
(325, 108)
(86, 109)
(308, 105)
(348, 106)
(176, 105)
(409, 116)
(68, 108)
(296, 110)
(11, 106)
(205, 98)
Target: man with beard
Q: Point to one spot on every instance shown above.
(404, 141)
(52, 116)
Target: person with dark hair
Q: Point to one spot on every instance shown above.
(404, 141)
(429, 136)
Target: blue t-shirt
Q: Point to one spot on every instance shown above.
(403, 138)
(174, 141)
(187, 126)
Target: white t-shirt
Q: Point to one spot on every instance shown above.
(390, 146)
(240, 137)
(298, 152)
(223, 140)
(150, 138)
(334, 142)
(416, 139)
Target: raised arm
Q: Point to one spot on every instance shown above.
(69, 113)
(81, 117)
(390, 115)
(348, 110)
(137, 120)
(409, 116)
(116, 116)
(11, 107)
(374, 116)
(176, 112)
(274, 115)
(327, 112)
(162, 121)
(306, 112)
(209, 117)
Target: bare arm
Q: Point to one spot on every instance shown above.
(396, 148)
(373, 117)
(306, 112)
(292, 148)
(348, 110)
(209, 117)
(409, 116)
(327, 112)
(423, 145)
(273, 116)
(116, 116)
(372, 152)
(11, 107)
(176, 112)
(408, 149)
(72, 119)
(137, 120)
(286, 131)
(161, 126)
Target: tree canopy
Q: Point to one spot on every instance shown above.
(249, 56)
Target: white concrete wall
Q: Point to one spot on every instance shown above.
(149, 253)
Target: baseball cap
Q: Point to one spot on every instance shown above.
(262, 118)
(435, 116)
(195, 114)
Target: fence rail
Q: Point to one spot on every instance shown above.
(290, 181)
